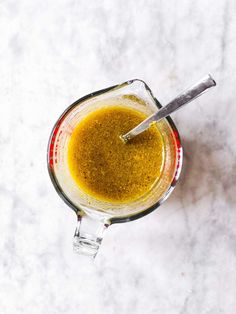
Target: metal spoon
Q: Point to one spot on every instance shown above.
(185, 97)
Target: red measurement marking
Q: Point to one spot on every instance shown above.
(178, 155)
(52, 143)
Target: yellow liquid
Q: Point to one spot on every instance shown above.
(106, 168)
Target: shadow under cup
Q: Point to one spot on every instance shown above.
(94, 216)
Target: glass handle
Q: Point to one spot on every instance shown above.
(88, 235)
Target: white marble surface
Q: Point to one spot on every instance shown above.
(182, 257)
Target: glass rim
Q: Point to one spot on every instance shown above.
(50, 147)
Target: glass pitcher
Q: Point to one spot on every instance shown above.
(95, 216)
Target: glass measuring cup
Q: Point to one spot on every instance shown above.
(95, 216)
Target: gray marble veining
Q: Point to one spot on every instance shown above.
(182, 257)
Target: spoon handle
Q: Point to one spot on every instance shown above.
(178, 102)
